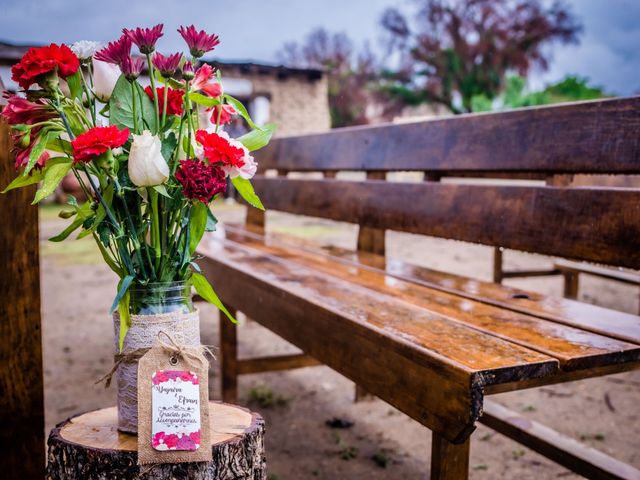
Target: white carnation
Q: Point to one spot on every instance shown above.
(85, 49)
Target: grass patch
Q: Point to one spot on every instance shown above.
(267, 398)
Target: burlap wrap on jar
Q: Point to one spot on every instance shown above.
(184, 328)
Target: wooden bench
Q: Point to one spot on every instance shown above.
(430, 343)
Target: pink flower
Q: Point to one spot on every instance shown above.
(187, 71)
(225, 112)
(185, 443)
(132, 67)
(199, 42)
(145, 38)
(195, 437)
(171, 441)
(115, 52)
(201, 81)
(20, 110)
(167, 65)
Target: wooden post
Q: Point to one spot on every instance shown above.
(571, 284)
(497, 265)
(449, 461)
(21, 391)
(229, 358)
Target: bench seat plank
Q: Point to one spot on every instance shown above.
(357, 332)
(574, 348)
(612, 323)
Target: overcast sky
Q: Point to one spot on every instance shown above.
(608, 54)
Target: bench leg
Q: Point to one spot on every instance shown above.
(497, 265)
(449, 461)
(571, 284)
(229, 359)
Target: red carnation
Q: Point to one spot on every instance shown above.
(174, 99)
(225, 115)
(38, 62)
(200, 181)
(218, 148)
(96, 141)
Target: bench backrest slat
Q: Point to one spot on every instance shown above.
(595, 224)
(587, 137)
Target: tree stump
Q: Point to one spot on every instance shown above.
(89, 446)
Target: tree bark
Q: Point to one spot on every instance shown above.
(90, 447)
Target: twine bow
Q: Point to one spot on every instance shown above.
(176, 350)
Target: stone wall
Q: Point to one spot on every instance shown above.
(298, 102)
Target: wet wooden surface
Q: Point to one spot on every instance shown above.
(585, 137)
(574, 348)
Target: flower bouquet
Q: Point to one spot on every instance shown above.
(149, 160)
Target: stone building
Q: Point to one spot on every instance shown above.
(293, 98)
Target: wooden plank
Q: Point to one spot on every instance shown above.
(275, 363)
(600, 225)
(229, 359)
(574, 348)
(445, 369)
(612, 323)
(448, 461)
(21, 391)
(631, 278)
(586, 137)
(564, 450)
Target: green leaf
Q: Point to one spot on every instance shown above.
(257, 139)
(59, 145)
(77, 223)
(168, 146)
(205, 290)
(162, 190)
(237, 104)
(107, 258)
(245, 189)
(203, 100)
(53, 175)
(101, 213)
(125, 319)
(123, 287)
(75, 84)
(121, 106)
(211, 222)
(197, 225)
(36, 151)
(23, 181)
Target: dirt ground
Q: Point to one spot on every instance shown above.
(382, 443)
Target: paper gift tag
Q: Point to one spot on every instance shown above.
(173, 406)
(175, 410)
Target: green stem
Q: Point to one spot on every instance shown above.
(164, 104)
(155, 225)
(135, 112)
(133, 235)
(155, 92)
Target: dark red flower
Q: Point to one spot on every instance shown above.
(226, 113)
(218, 149)
(174, 99)
(145, 38)
(38, 62)
(96, 141)
(167, 65)
(200, 181)
(19, 110)
(115, 52)
(199, 42)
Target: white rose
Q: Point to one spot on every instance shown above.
(105, 76)
(147, 166)
(85, 49)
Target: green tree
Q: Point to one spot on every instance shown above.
(456, 50)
